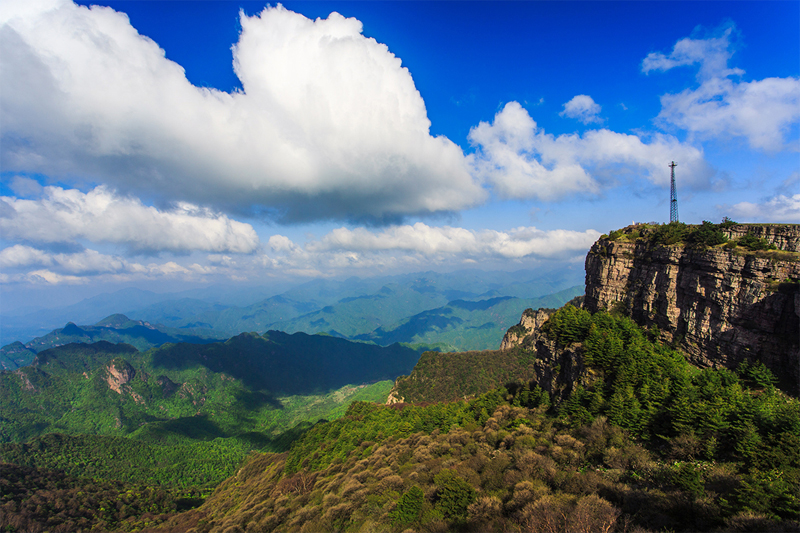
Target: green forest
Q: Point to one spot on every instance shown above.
(654, 445)
(643, 442)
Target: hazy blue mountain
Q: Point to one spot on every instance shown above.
(465, 325)
(350, 307)
(27, 326)
(115, 328)
(174, 313)
(15, 355)
(356, 315)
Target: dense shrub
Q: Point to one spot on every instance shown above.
(707, 234)
(751, 242)
(671, 233)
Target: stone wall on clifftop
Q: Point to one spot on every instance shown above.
(720, 305)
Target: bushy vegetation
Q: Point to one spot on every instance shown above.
(751, 242)
(196, 465)
(179, 419)
(35, 500)
(704, 235)
(695, 236)
(448, 376)
(649, 443)
(654, 444)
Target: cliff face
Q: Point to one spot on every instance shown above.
(720, 306)
(530, 323)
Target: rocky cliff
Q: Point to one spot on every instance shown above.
(719, 304)
(530, 323)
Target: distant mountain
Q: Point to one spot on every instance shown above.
(89, 311)
(114, 328)
(15, 355)
(357, 315)
(371, 315)
(466, 325)
(347, 308)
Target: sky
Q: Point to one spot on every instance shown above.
(175, 144)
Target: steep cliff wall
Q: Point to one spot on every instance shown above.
(720, 305)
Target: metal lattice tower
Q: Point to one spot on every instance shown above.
(673, 195)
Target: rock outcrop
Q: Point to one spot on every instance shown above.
(119, 372)
(529, 324)
(719, 305)
(784, 236)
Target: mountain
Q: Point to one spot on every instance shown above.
(222, 312)
(200, 391)
(403, 310)
(21, 327)
(717, 291)
(614, 430)
(465, 325)
(115, 328)
(599, 423)
(354, 306)
(15, 355)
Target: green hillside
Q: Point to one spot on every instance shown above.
(186, 390)
(15, 355)
(643, 441)
(166, 426)
(651, 444)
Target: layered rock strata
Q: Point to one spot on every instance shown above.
(720, 306)
(530, 323)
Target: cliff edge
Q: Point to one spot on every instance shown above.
(720, 304)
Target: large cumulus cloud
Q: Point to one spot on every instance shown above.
(329, 123)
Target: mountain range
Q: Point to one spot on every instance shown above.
(363, 305)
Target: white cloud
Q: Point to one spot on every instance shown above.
(329, 124)
(102, 216)
(582, 107)
(522, 161)
(761, 111)
(452, 242)
(22, 256)
(86, 262)
(711, 53)
(342, 251)
(52, 278)
(87, 265)
(779, 208)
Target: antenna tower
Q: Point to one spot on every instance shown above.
(673, 195)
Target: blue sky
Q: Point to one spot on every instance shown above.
(173, 144)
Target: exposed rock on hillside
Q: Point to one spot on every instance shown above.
(720, 305)
(530, 322)
(120, 372)
(784, 236)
